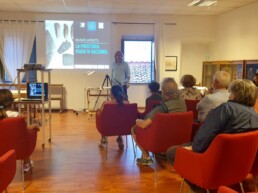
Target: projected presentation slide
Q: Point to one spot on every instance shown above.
(77, 44)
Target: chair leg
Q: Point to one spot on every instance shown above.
(133, 147)
(255, 186)
(126, 142)
(106, 149)
(22, 175)
(155, 169)
(241, 186)
(182, 184)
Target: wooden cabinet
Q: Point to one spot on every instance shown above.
(251, 68)
(234, 68)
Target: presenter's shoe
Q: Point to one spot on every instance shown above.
(103, 142)
(144, 161)
(120, 143)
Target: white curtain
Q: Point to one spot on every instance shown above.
(16, 41)
(159, 49)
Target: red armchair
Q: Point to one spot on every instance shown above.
(15, 135)
(7, 169)
(116, 120)
(227, 161)
(254, 170)
(166, 130)
(191, 106)
(148, 108)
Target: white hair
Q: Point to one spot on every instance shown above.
(223, 78)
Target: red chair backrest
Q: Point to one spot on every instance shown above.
(7, 169)
(191, 106)
(117, 119)
(14, 135)
(166, 130)
(150, 105)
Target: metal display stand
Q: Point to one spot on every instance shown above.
(98, 92)
(41, 102)
(106, 82)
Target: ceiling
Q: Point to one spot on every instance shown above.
(154, 7)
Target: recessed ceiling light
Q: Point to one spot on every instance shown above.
(202, 3)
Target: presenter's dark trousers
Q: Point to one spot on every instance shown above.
(125, 92)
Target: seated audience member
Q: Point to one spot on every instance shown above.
(156, 95)
(221, 81)
(189, 92)
(255, 80)
(172, 103)
(6, 102)
(234, 116)
(116, 97)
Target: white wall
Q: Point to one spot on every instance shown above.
(195, 31)
(192, 57)
(236, 35)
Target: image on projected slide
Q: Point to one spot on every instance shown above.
(77, 44)
(59, 44)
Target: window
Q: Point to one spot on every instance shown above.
(139, 54)
(3, 74)
(4, 78)
(33, 59)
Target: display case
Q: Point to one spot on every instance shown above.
(235, 68)
(251, 68)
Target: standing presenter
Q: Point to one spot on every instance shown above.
(120, 72)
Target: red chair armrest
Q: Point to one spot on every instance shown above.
(7, 169)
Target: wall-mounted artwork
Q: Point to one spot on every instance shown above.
(170, 63)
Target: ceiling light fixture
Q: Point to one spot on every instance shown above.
(202, 3)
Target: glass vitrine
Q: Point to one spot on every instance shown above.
(251, 68)
(234, 68)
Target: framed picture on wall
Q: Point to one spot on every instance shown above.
(170, 63)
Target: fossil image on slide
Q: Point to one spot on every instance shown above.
(57, 30)
(68, 59)
(71, 32)
(65, 45)
(50, 47)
